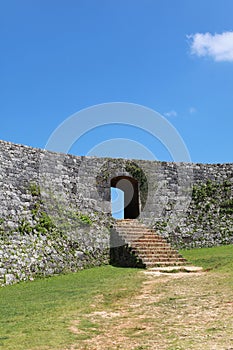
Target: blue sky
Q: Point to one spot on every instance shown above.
(173, 56)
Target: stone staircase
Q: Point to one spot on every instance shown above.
(149, 248)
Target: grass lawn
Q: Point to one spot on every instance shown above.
(216, 258)
(119, 308)
(37, 315)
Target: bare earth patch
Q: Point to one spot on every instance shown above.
(173, 311)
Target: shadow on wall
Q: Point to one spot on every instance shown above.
(121, 255)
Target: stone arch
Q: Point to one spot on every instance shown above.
(116, 168)
(130, 187)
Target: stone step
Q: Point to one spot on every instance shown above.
(182, 268)
(141, 240)
(136, 230)
(160, 264)
(143, 237)
(152, 249)
(166, 261)
(153, 256)
(139, 234)
(151, 244)
(147, 242)
(162, 256)
(155, 252)
(131, 228)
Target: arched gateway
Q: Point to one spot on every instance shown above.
(129, 186)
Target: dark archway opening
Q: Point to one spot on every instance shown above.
(129, 186)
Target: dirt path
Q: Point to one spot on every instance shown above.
(171, 312)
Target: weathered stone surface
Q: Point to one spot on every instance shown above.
(55, 209)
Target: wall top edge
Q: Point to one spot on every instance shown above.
(12, 145)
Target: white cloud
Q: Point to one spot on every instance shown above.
(217, 46)
(171, 114)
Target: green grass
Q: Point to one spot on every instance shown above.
(216, 258)
(37, 315)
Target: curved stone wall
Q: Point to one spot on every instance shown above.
(55, 210)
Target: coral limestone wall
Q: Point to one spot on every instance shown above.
(49, 221)
(55, 210)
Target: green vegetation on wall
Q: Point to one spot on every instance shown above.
(111, 168)
(45, 243)
(214, 195)
(138, 174)
(208, 220)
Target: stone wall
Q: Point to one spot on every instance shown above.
(208, 219)
(55, 210)
(50, 221)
